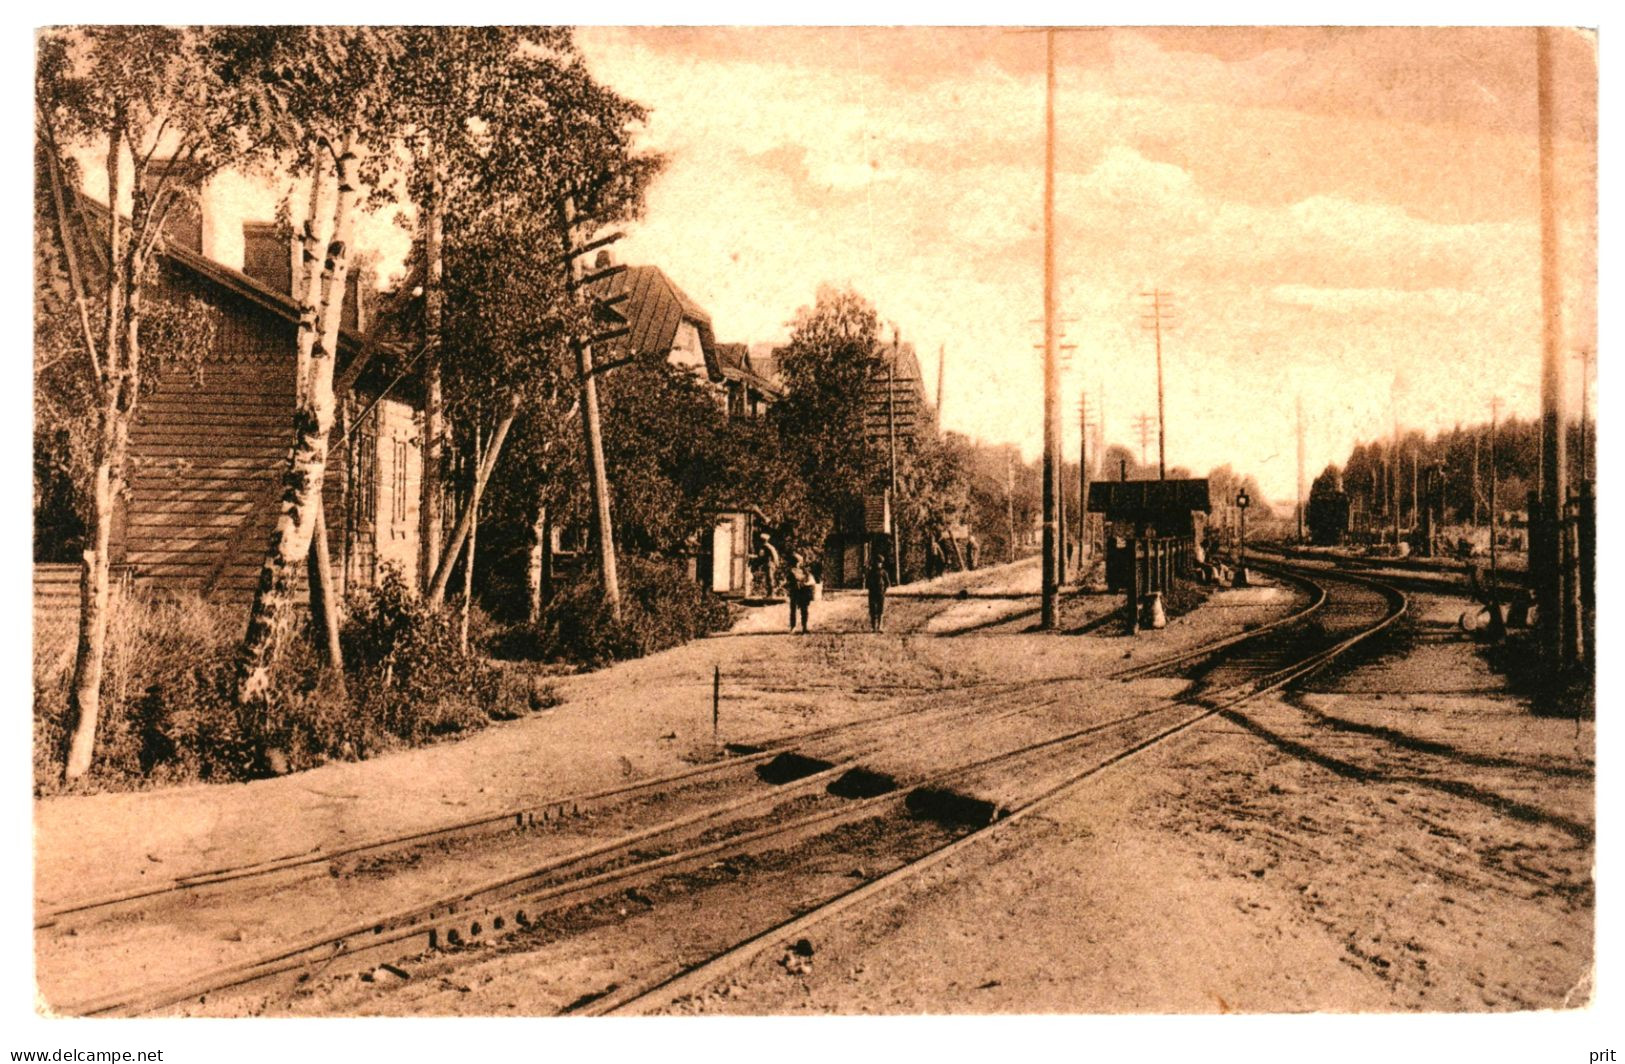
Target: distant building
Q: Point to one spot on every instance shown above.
(664, 324)
(1147, 509)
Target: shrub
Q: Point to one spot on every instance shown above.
(661, 607)
(407, 667)
(168, 705)
(166, 697)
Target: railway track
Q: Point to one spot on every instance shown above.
(1347, 611)
(817, 798)
(745, 756)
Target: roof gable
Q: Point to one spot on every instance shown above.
(653, 309)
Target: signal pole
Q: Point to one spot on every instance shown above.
(1052, 383)
(1161, 309)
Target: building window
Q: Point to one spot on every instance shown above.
(366, 477)
(397, 495)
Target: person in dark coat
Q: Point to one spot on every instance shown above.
(876, 581)
(800, 579)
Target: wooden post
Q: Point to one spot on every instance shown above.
(1548, 575)
(590, 427)
(1052, 384)
(1587, 548)
(716, 701)
(891, 446)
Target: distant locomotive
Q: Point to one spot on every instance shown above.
(1328, 518)
(1328, 514)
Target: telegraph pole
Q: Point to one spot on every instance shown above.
(1551, 577)
(590, 425)
(1161, 309)
(1495, 411)
(891, 446)
(1052, 383)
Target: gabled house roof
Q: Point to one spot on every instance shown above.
(217, 274)
(653, 309)
(737, 364)
(233, 283)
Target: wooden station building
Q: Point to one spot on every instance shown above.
(1154, 518)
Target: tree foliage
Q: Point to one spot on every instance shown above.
(826, 366)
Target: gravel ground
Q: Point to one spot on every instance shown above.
(1400, 837)
(1403, 837)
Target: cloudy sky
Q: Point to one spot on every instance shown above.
(1350, 215)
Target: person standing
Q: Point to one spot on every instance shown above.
(876, 581)
(801, 590)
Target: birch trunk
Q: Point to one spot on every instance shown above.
(468, 564)
(534, 573)
(314, 407)
(482, 473)
(84, 704)
(431, 500)
(85, 696)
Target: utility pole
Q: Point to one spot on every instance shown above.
(1083, 477)
(1585, 412)
(1477, 497)
(1416, 461)
(1300, 469)
(1393, 481)
(891, 447)
(1551, 576)
(1142, 422)
(590, 425)
(1495, 411)
(1156, 320)
(1052, 383)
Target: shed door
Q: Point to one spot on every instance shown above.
(721, 554)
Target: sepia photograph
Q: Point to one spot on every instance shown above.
(700, 521)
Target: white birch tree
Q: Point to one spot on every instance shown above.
(132, 97)
(331, 86)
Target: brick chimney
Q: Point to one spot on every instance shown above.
(269, 254)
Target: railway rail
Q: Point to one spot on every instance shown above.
(818, 796)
